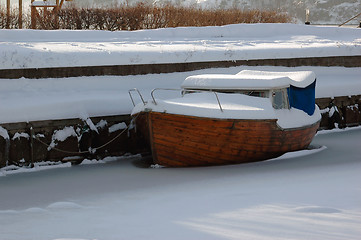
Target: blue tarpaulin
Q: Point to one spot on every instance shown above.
(303, 98)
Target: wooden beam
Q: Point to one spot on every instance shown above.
(46, 6)
(61, 4)
(33, 15)
(57, 6)
(56, 16)
(20, 14)
(349, 19)
(7, 14)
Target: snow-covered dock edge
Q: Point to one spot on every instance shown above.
(136, 69)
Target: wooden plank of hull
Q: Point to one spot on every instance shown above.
(181, 141)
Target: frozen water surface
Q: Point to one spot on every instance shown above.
(301, 196)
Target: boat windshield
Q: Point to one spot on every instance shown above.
(280, 99)
(263, 94)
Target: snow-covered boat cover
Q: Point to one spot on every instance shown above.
(300, 85)
(250, 80)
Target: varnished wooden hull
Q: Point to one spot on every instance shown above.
(182, 141)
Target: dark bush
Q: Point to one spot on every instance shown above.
(142, 16)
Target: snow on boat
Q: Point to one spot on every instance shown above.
(229, 119)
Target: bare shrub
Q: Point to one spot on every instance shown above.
(142, 16)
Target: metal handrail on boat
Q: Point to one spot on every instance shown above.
(167, 89)
(172, 89)
(131, 97)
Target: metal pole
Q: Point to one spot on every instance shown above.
(32, 136)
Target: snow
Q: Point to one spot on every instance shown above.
(45, 165)
(23, 100)
(293, 118)
(43, 4)
(231, 106)
(313, 194)
(118, 126)
(20, 135)
(4, 133)
(206, 105)
(310, 194)
(62, 135)
(300, 79)
(252, 80)
(65, 48)
(244, 82)
(101, 124)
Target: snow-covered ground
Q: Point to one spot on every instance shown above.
(23, 100)
(61, 48)
(315, 196)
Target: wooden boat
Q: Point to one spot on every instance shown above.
(230, 119)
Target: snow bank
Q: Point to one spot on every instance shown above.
(64, 48)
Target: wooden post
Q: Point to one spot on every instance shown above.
(45, 10)
(7, 14)
(56, 14)
(307, 22)
(20, 14)
(33, 15)
(61, 3)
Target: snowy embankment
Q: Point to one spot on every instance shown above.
(23, 100)
(62, 48)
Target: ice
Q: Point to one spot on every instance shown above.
(64, 205)
(302, 196)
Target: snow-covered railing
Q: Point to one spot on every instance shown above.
(131, 97)
(172, 89)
